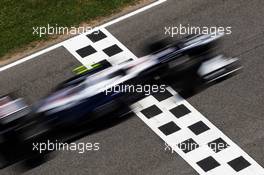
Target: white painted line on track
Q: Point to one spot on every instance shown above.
(133, 13)
(172, 118)
(61, 43)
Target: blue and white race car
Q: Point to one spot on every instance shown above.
(189, 66)
(186, 65)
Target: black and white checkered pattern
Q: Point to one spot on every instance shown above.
(172, 118)
(98, 46)
(193, 137)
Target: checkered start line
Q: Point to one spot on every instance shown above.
(171, 117)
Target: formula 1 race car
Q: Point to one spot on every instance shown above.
(188, 65)
(87, 94)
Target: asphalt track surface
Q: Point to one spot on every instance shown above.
(234, 106)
